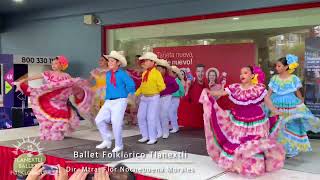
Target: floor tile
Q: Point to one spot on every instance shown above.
(180, 166)
(306, 161)
(283, 174)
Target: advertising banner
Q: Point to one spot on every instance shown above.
(206, 66)
(312, 74)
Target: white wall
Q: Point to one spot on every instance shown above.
(35, 70)
(61, 30)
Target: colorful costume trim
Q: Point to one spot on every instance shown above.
(235, 145)
(297, 118)
(240, 96)
(49, 104)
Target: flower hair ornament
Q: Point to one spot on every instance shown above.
(259, 76)
(292, 61)
(63, 61)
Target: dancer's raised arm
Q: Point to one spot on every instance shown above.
(31, 78)
(217, 93)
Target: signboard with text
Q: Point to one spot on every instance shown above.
(206, 64)
(312, 74)
(227, 58)
(41, 60)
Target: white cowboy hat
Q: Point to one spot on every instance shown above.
(150, 56)
(118, 55)
(164, 63)
(176, 70)
(212, 69)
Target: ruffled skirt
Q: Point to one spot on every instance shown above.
(297, 121)
(49, 104)
(249, 149)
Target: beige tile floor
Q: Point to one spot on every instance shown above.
(283, 174)
(190, 166)
(307, 161)
(83, 132)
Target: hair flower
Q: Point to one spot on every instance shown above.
(291, 59)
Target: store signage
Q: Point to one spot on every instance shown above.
(9, 76)
(7, 87)
(203, 65)
(44, 60)
(312, 74)
(227, 58)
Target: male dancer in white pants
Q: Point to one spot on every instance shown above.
(119, 86)
(175, 100)
(151, 86)
(165, 97)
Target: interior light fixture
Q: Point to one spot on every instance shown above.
(18, 1)
(235, 18)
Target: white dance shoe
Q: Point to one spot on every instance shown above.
(150, 142)
(117, 149)
(174, 130)
(143, 140)
(104, 144)
(159, 135)
(165, 136)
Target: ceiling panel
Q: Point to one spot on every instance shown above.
(9, 6)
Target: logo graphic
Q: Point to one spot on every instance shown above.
(9, 77)
(7, 87)
(28, 146)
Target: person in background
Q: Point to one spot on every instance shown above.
(200, 69)
(120, 87)
(135, 72)
(212, 75)
(188, 79)
(151, 86)
(198, 84)
(175, 100)
(99, 76)
(216, 81)
(165, 97)
(194, 118)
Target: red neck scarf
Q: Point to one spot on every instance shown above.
(145, 78)
(113, 78)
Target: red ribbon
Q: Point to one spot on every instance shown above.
(113, 79)
(145, 77)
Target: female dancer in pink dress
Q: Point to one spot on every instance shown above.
(49, 101)
(243, 139)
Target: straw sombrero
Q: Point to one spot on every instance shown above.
(118, 55)
(176, 70)
(164, 63)
(150, 56)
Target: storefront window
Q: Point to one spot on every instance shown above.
(274, 35)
